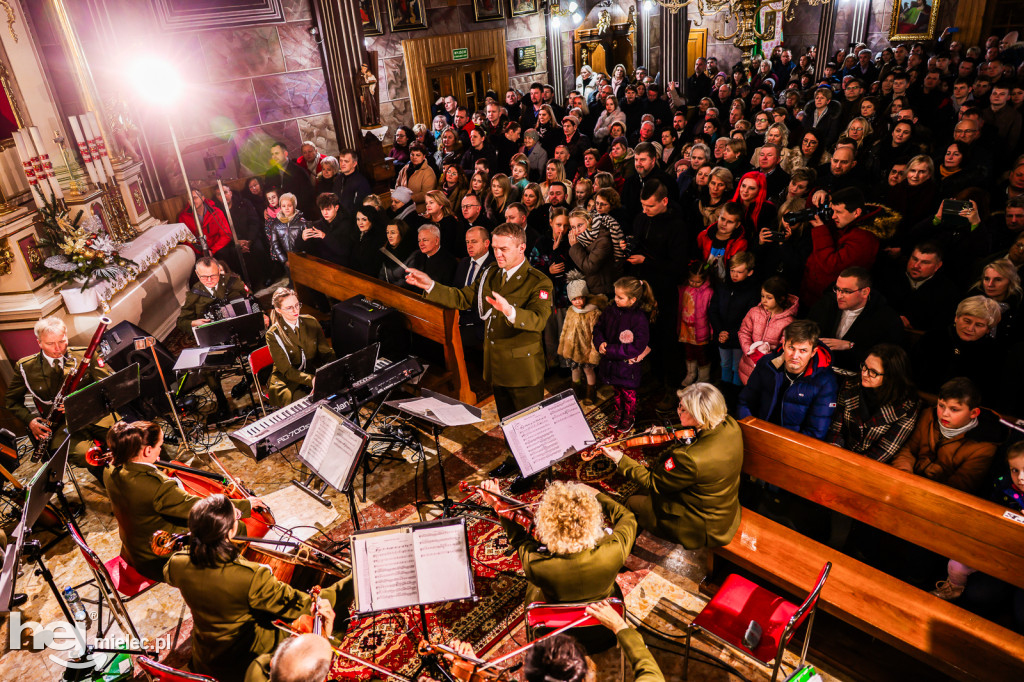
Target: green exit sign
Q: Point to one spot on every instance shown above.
(460, 53)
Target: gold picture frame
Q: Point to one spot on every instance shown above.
(914, 19)
(488, 10)
(413, 19)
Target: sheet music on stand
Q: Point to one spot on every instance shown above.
(547, 432)
(333, 447)
(418, 563)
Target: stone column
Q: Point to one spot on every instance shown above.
(341, 47)
(675, 28)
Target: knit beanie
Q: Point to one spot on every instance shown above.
(576, 288)
(403, 194)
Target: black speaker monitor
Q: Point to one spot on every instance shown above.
(118, 350)
(358, 322)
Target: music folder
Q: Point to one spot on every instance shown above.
(547, 432)
(333, 447)
(408, 565)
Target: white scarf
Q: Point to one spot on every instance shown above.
(948, 433)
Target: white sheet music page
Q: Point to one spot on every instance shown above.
(330, 447)
(387, 572)
(545, 435)
(441, 555)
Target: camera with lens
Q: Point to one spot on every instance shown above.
(802, 216)
(630, 245)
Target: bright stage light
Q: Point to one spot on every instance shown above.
(156, 81)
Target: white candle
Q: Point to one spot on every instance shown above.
(44, 159)
(90, 139)
(26, 165)
(83, 148)
(100, 143)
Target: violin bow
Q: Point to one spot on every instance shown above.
(526, 646)
(281, 625)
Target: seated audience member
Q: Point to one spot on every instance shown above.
(477, 260)
(370, 236)
(568, 558)
(876, 412)
(693, 499)
(855, 319)
(1000, 282)
(850, 238)
(404, 208)
(439, 213)
(329, 238)
(431, 258)
(953, 442)
(983, 594)
(962, 349)
(794, 386)
(472, 213)
(922, 295)
(417, 175)
(298, 347)
(401, 245)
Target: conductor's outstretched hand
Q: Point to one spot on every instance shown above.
(418, 278)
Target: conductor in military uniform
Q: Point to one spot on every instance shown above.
(234, 601)
(143, 498)
(298, 346)
(211, 288)
(514, 302)
(41, 376)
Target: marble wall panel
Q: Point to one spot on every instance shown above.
(298, 10)
(394, 114)
(320, 131)
(242, 52)
(289, 95)
(525, 27)
(217, 108)
(300, 49)
(396, 86)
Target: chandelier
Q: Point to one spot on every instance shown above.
(744, 12)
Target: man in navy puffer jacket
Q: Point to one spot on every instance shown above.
(794, 387)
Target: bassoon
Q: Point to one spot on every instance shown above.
(70, 384)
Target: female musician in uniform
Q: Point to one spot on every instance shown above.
(581, 560)
(298, 347)
(234, 601)
(145, 500)
(692, 497)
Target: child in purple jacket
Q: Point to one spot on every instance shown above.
(621, 336)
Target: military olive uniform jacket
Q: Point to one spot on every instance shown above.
(581, 577)
(513, 354)
(297, 355)
(144, 501)
(695, 490)
(233, 608)
(645, 668)
(198, 299)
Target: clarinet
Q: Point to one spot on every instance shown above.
(70, 384)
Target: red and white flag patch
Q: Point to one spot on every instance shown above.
(544, 295)
(670, 464)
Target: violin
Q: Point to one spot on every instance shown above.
(507, 507)
(462, 667)
(686, 435)
(314, 621)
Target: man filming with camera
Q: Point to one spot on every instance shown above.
(850, 237)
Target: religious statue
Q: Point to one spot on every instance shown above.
(369, 106)
(122, 127)
(604, 22)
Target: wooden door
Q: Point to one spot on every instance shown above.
(696, 46)
(433, 70)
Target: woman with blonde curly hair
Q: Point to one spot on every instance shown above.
(693, 498)
(570, 557)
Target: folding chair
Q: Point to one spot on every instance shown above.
(261, 364)
(727, 617)
(595, 638)
(108, 591)
(158, 672)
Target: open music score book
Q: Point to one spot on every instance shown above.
(333, 447)
(547, 432)
(419, 563)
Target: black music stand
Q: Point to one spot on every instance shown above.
(332, 457)
(237, 336)
(448, 506)
(337, 376)
(93, 402)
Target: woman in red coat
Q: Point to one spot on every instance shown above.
(215, 229)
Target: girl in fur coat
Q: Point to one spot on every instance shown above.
(576, 343)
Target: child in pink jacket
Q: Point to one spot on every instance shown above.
(694, 325)
(761, 330)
